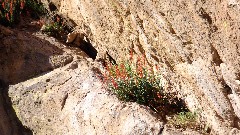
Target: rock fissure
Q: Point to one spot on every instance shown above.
(64, 101)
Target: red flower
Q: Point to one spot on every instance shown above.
(123, 73)
(139, 67)
(157, 67)
(58, 19)
(114, 84)
(117, 71)
(131, 54)
(159, 95)
(7, 16)
(11, 8)
(3, 5)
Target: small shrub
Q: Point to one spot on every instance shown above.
(11, 10)
(56, 26)
(184, 120)
(53, 29)
(34, 8)
(133, 81)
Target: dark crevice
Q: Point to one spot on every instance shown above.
(140, 48)
(105, 61)
(227, 89)
(64, 101)
(162, 14)
(169, 65)
(216, 57)
(161, 130)
(109, 58)
(172, 30)
(187, 42)
(236, 121)
(88, 48)
(81, 41)
(218, 116)
(155, 58)
(205, 16)
(189, 60)
(52, 7)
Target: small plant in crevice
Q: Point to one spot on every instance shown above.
(52, 29)
(56, 26)
(184, 119)
(187, 119)
(134, 81)
(12, 10)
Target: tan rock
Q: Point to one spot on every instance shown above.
(72, 101)
(195, 42)
(190, 39)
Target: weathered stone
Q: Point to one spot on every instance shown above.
(67, 100)
(195, 42)
(72, 101)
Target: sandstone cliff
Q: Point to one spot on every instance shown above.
(195, 43)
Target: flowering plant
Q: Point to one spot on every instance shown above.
(133, 81)
(11, 10)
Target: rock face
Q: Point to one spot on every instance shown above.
(70, 100)
(63, 96)
(196, 43)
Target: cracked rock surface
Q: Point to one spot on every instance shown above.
(196, 44)
(72, 101)
(65, 98)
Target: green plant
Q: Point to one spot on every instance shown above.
(34, 8)
(133, 81)
(184, 119)
(53, 29)
(11, 10)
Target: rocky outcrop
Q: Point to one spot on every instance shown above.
(71, 100)
(21, 52)
(196, 44)
(22, 56)
(64, 97)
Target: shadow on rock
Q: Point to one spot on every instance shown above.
(23, 56)
(9, 122)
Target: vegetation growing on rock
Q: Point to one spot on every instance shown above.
(12, 10)
(134, 81)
